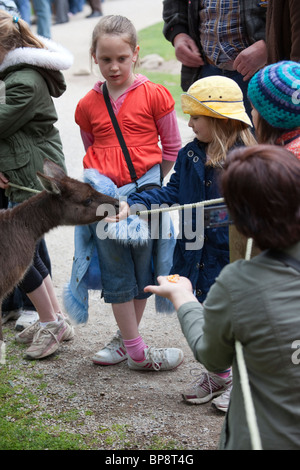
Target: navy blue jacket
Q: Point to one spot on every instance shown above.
(192, 181)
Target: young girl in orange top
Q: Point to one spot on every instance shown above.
(145, 114)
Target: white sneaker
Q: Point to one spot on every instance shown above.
(222, 402)
(113, 352)
(158, 359)
(27, 318)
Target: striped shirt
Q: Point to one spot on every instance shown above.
(221, 31)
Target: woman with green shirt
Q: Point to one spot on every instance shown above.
(255, 302)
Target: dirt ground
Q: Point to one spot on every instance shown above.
(125, 409)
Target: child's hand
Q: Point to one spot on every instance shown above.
(124, 212)
(4, 182)
(178, 292)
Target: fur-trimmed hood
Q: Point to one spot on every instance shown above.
(55, 57)
(49, 62)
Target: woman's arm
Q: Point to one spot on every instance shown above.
(208, 328)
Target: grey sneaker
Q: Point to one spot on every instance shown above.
(206, 387)
(26, 336)
(158, 359)
(69, 332)
(222, 401)
(47, 340)
(113, 352)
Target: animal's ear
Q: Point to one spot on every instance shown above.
(52, 169)
(51, 177)
(48, 183)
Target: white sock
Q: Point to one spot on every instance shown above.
(45, 323)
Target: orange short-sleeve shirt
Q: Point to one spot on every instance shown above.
(142, 107)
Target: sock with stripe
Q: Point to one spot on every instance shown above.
(135, 348)
(224, 374)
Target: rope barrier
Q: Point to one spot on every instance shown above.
(249, 406)
(24, 188)
(151, 211)
(184, 206)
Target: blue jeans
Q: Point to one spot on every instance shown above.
(209, 70)
(76, 6)
(125, 270)
(43, 12)
(24, 7)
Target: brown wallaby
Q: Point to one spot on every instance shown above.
(65, 201)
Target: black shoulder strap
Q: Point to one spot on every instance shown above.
(285, 258)
(119, 134)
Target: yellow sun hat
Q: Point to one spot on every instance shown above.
(215, 96)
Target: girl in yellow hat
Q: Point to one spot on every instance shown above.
(220, 123)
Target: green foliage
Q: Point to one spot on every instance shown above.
(152, 41)
(23, 423)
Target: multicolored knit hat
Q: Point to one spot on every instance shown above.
(274, 92)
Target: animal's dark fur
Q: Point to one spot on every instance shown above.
(64, 201)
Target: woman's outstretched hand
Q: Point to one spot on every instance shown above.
(178, 292)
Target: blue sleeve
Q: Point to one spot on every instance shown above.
(166, 195)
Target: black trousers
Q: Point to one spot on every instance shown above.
(95, 5)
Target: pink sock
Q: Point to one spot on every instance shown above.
(224, 374)
(135, 348)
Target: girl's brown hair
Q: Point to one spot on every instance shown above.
(15, 33)
(261, 188)
(116, 25)
(226, 132)
(265, 133)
